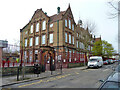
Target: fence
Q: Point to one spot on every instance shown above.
(11, 64)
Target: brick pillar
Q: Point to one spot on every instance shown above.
(0, 57)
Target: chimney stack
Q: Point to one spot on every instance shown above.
(58, 10)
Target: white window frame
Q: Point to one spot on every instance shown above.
(37, 27)
(44, 25)
(51, 25)
(31, 29)
(30, 56)
(65, 37)
(37, 40)
(69, 24)
(65, 22)
(31, 41)
(69, 55)
(73, 27)
(26, 32)
(43, 39)
(70, 38)
(51, 38)
(73, 39)
(25, 42)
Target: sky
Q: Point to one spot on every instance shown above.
(15, 14)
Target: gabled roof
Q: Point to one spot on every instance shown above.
(56, 17)
(52, 18)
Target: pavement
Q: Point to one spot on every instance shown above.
(11, 80)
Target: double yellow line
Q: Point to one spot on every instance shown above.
(51, 79)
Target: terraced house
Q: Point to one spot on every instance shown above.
(58, 33)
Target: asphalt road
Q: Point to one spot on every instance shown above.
(71, 78)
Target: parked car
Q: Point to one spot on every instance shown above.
(95, 61)
(113, 61)
(116, 60)
(112, 82)
(110, 61)
(105, 62)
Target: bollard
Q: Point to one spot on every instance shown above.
(18, 74)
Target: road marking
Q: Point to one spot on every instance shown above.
(51, 79)
(85, 70)
(47, 81)
(76, 72)
(69, 74)
(30, 84)
(105, 70)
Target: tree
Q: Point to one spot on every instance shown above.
(107, 49)
(115, 5)
(103, 48)
(114, 8)
(97, 48)
(91, 26)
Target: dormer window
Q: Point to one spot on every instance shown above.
(65, 22)
(44, 25)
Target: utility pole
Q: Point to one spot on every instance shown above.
(23, 66)
(119, 28)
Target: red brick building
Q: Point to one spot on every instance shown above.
(57, 33)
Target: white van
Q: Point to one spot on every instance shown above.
(95, 61)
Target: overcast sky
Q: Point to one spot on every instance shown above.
(15, 14)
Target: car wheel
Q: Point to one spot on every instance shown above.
(97, 67)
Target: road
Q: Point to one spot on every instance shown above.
(71, 78)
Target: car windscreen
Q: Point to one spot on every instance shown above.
(110, 85)
(92, 59)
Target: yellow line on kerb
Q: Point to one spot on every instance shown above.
(51, 79)
(30, 84)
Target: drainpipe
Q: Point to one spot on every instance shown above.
(47, 29)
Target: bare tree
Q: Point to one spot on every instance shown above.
(114, 9)
(115, 6)
(91, 26)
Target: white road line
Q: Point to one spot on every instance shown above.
(105, 69)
